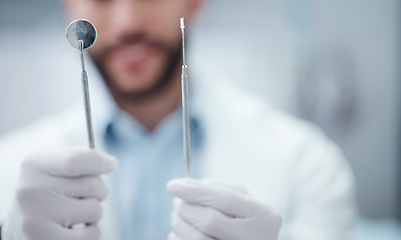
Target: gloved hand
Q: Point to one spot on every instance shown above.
(210, 211)
(57, 190)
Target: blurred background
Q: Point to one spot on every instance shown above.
(335, 63)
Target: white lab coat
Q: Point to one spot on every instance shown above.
(281, 161)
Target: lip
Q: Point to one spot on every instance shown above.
(132, 55)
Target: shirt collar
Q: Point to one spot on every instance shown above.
(108, 117)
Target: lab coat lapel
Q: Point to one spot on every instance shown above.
(216, 150)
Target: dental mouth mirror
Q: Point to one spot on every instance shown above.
(185, 103)
(82, 34)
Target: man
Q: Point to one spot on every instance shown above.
(272, 177)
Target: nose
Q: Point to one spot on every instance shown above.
(128, 17)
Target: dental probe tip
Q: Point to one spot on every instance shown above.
(182, 23)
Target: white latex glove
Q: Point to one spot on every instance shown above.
(57, 190)
(204, 210)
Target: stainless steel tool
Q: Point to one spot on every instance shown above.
(185, 103)
(82, 34)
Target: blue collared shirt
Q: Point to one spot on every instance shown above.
(147, 161)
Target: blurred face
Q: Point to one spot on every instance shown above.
(139, 43)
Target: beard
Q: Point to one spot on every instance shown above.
(173, 57)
